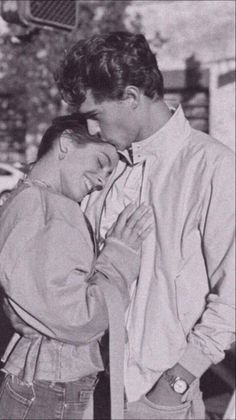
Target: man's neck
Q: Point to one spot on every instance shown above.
(155, 115)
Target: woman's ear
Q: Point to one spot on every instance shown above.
(64, 144)
(132, 96)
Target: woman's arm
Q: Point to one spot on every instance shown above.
(51, 288)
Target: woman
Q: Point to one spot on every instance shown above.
(50, 270)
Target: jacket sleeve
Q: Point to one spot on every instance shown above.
(214, 333)
(54, 288)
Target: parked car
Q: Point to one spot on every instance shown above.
(9, 176)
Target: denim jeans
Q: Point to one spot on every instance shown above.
(192, 409)
(45, 400)
(143, 409)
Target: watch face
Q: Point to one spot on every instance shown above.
(180, 386)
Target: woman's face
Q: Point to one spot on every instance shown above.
(86, 168)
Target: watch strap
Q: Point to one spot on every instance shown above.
(169, 377)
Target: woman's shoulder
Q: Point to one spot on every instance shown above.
(31, 203)
(19, 218)
(24, 201)
(60, 207)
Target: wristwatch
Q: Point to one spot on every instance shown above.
(178, 384)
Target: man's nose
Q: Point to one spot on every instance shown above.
(93, 127)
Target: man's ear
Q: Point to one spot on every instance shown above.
(132, 96)
(64, 144)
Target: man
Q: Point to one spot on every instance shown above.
(181, 314)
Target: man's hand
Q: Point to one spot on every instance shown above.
(16, 322)
(163, 394)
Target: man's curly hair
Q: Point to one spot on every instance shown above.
(106, 64)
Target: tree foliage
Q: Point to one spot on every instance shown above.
(29, 57)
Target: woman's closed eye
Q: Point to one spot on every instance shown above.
(100, 164)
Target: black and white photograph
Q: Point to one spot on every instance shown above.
(117, 210)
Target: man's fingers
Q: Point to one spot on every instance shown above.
(29, 332)
(7, 308)
(16, 322)
(22, 328)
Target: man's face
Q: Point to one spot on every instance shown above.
(113, 120)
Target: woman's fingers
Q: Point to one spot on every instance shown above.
(141, 229)
(140, 215)
(133, 224)
(145, 231)
(124, 216)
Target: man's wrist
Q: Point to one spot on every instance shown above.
(180, 371)
(163, 393)
(178, 379)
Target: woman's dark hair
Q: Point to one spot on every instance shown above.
(73, 125)
(106, 64)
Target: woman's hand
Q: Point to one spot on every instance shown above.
(133, 225)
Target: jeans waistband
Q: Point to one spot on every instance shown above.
(84, 382)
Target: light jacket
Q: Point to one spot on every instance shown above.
(182, 306)
(49, 271)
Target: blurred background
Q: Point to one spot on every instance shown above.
(194, 42)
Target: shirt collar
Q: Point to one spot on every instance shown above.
(166, 141)
(127, 156)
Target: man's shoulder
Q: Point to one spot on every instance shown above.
(210, 143)
(209, 146)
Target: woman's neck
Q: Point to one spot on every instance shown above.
(46, 171)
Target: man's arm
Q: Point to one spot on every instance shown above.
(214, 333)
